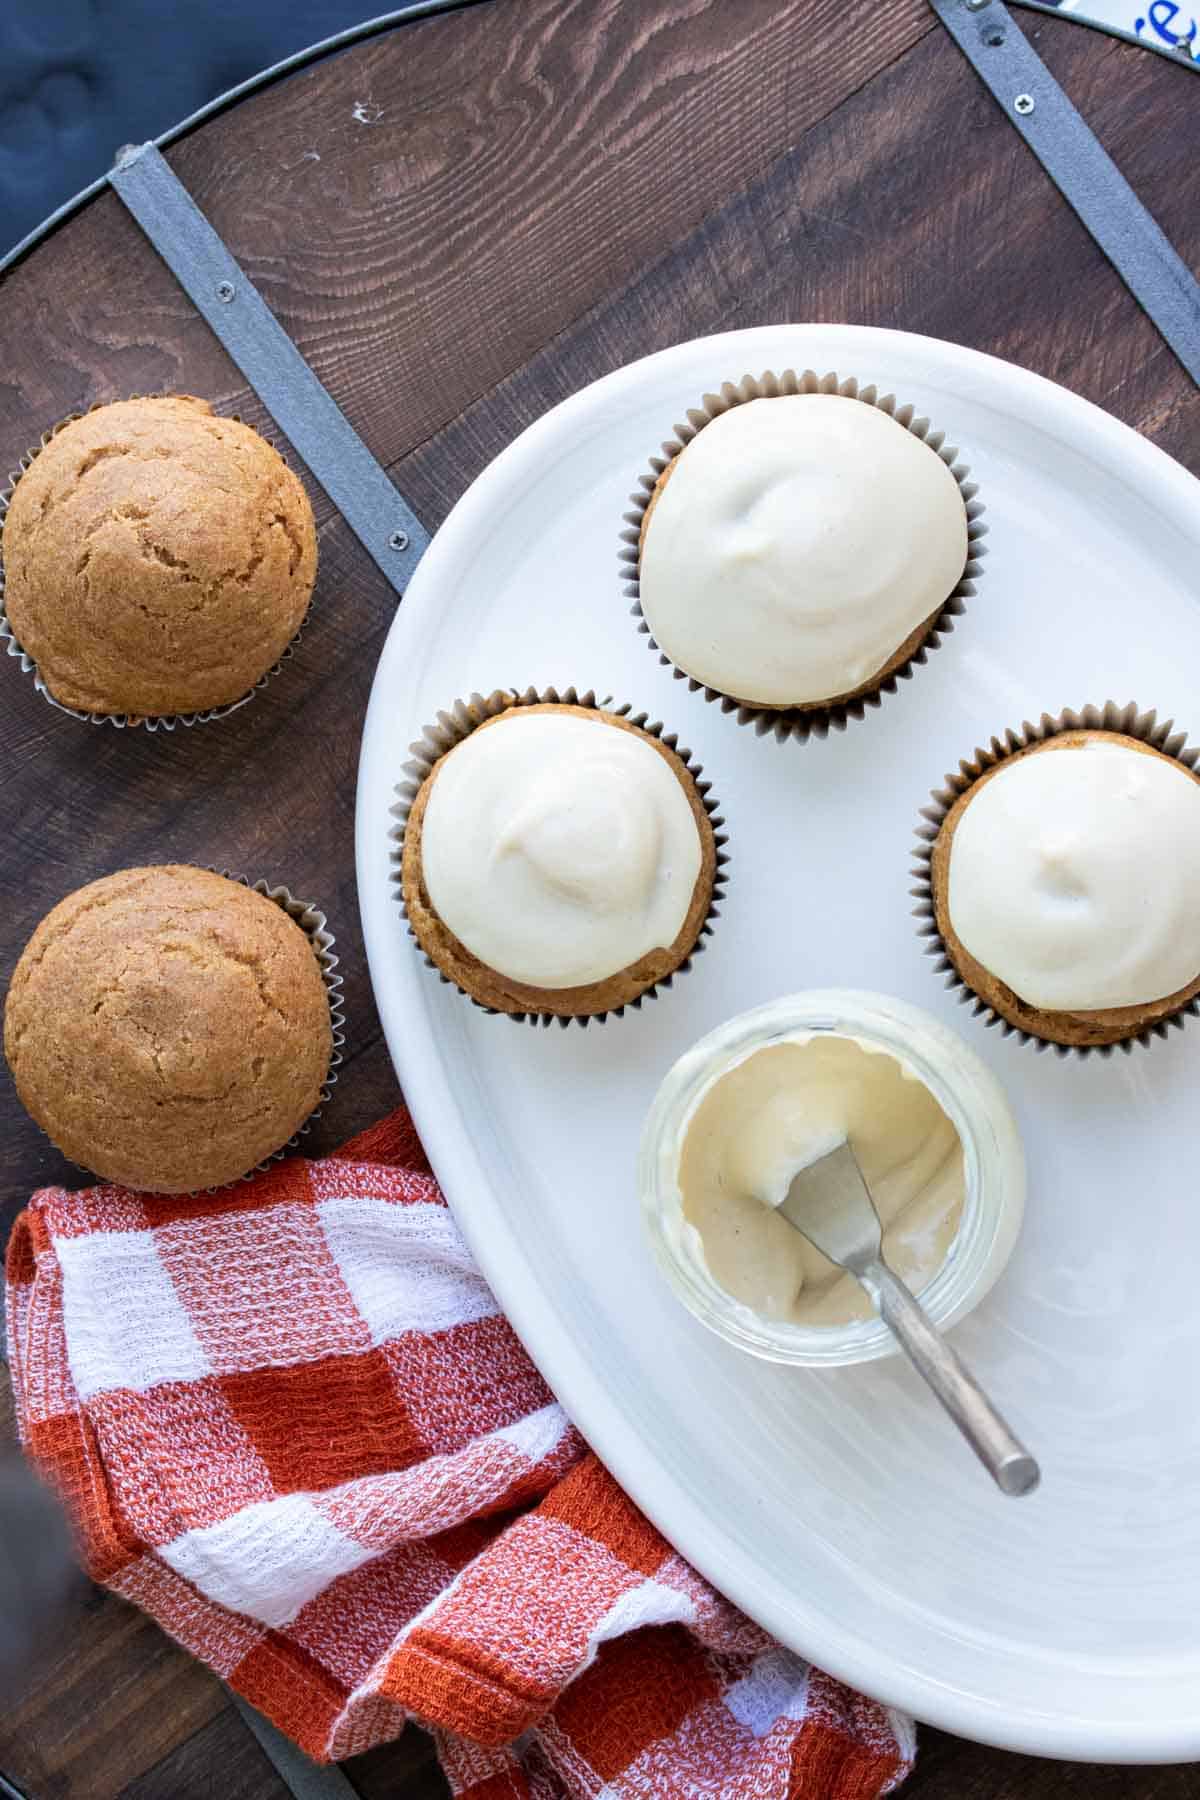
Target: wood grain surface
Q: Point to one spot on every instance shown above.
(546, 189)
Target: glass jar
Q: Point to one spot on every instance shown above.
(969, 1094)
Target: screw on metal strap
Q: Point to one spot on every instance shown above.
(302, 408)
(1081, 169)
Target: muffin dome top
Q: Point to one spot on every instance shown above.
(168, 1028)
(157, 558)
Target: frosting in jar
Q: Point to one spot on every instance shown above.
(798, 542)
(559, 848)
(780, 1109)
(1075, 876)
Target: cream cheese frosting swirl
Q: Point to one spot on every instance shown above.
(1075, 877)
(776, 1112)
(798, 542)
(559, 849)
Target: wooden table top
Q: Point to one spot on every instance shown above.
(460, 222)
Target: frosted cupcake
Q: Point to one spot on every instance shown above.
(558, 860)
(1065, 881)
(802, 548)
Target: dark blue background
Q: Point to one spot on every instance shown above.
(78, 78)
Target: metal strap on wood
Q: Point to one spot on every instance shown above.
(1080, 168)
(304, 410)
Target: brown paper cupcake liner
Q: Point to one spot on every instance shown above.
(802, 723)
(457, 723)
(1127, 720)
(12, 646)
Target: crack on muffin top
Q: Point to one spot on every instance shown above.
(127, 517)
(169, 1028)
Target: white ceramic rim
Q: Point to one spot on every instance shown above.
(429, 1090)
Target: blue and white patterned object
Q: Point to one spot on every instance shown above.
(1160, 24)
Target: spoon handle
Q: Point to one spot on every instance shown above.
(998, 1448)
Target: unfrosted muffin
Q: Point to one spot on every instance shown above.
(799, 550)
(168, 1028)
(558, 860)
(1066, 887)
(157, 559)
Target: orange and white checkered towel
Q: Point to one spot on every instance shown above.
(291, 1423)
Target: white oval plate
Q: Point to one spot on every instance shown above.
(839, 1509)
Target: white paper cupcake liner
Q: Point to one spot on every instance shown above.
(315, 926)
(12, 646)
(801, 723)
(460, 719)
(1127, 720)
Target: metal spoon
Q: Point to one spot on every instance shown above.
(829, 1204)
